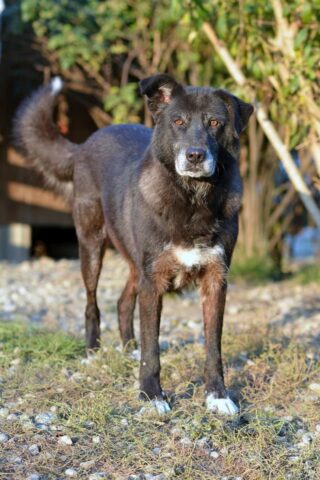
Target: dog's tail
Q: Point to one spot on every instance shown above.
(38, 139)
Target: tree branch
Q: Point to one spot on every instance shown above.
(267, 126)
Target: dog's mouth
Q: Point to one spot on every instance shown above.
(205, 168)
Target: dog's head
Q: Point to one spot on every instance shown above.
(192, 123)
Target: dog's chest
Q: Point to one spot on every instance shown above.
(177, 266)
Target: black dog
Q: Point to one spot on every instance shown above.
(167, 200)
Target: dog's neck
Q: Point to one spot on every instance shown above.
(161, 183)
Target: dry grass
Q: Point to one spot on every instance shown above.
(273, 377)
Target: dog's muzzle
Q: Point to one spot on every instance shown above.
(195, 162)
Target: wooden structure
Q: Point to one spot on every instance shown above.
(25, 205)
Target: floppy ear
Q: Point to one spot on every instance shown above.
(243, 113)
(160, 90)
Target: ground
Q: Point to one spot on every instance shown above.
(64, 416)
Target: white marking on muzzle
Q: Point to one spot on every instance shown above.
(56, 85)
(183, 167)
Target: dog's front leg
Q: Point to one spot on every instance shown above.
(213, 296)
(150, 305)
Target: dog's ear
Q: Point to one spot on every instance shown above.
(160, 90)
(240, 111)
(242, 114)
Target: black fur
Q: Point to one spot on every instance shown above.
(137, 189)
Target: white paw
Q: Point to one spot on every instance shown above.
(161, 406)
(225, 406)
(91, 357)
(136, 355)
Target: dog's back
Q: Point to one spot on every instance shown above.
(112, 149)
(111, 152)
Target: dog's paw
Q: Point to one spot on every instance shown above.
(224, 406)
(135, 355)
(162, 406)
(156, 406)
(91, 357)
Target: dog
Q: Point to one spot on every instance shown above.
(166, 198)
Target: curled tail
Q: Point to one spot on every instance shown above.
(39, 141)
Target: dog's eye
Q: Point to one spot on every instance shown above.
(214, 123)
(179, 121)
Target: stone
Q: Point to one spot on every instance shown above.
(214, 454)
(96, 439)
(15, 361)
(315, 387)
(98, 475)
(186, 441)
(4, 412)
(87, 465)
(88, 424)
(150, 476)
(41, 426)
(45, 418)
(4, 437)
(34, 449)
(307, 438)
(16, 460)
(202, 443)
(65, 440)
(13, 417)
(71, 472)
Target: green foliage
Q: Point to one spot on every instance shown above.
(123, 103)
(93, 34)
(282, 78)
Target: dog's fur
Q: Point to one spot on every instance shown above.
(167, 200)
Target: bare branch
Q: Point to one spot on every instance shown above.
(267, 127)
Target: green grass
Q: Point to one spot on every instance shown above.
(261, 269)
(33, 344)
(307, 274)
(255, 269)
(104, 392)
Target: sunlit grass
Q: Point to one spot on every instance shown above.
(100, 398)
(307, 274)
(33, 344)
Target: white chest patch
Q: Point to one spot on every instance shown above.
(197, 256)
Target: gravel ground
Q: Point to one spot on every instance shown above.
(50, 294)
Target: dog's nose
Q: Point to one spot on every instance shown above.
(195, 154)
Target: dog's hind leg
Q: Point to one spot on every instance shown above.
(92, 238)
(126, 306)
(91, 261)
